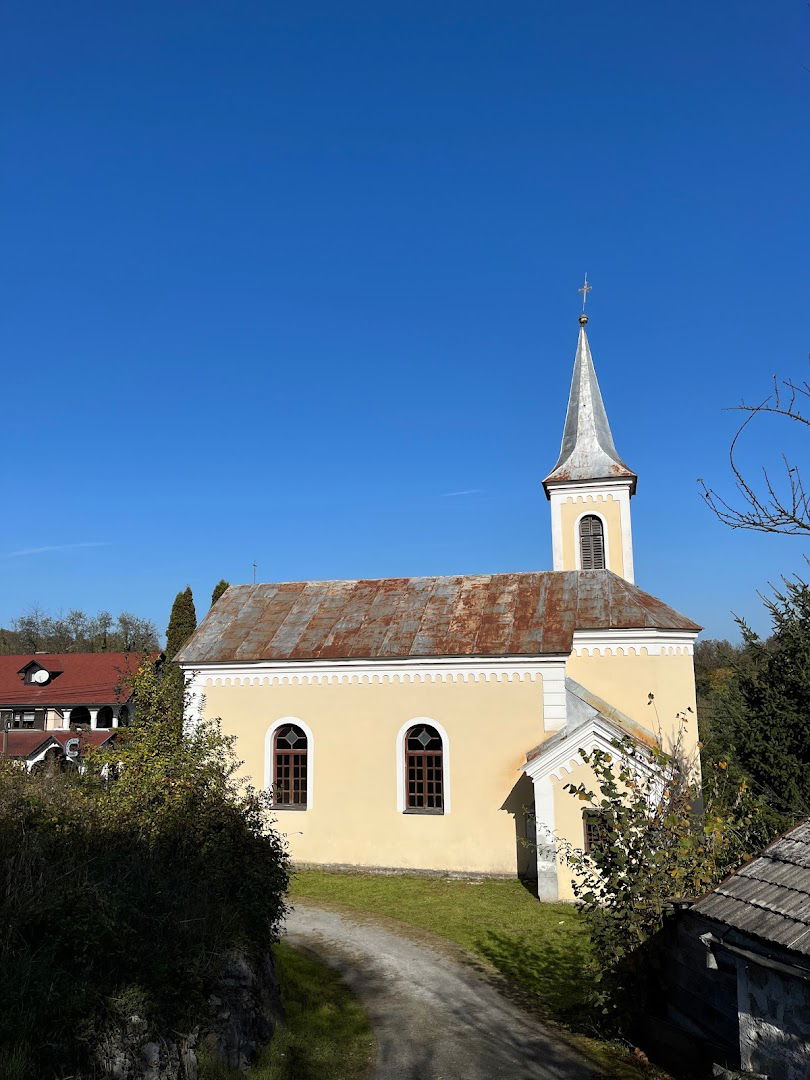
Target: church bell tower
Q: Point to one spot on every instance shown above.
(590, 486)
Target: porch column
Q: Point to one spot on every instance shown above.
(115, 709)
(547, 887)
(93, 710)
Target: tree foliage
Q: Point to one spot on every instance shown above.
(657, 842)
(754, 705)
(125, 888)
(764, 724)
(182, 622)
(37, 631)
(219, 589)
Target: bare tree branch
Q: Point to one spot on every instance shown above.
(770, 507)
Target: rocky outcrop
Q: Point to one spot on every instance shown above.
(245, 1009)
(129, 1052)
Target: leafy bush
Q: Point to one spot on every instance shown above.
(656, 841)
(124, 888)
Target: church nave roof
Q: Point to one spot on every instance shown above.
(531, 614)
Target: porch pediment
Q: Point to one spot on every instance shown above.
(591, 723)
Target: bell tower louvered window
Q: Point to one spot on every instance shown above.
(591, 543)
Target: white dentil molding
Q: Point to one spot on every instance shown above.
(549, 670)
(597, 734)
(634, 642)
(373, 672)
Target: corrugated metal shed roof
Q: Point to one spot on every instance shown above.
(770, 896)
(394, 618)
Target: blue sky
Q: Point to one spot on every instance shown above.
(297, 283)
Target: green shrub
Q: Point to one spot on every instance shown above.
(122, 890)
(656, 841)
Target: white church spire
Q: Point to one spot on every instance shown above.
(587, 451)
(590, 486)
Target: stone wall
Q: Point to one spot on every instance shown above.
(723, 1010)
(774, 1010)
(245, 1009)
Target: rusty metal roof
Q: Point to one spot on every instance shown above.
(395, 618)
(770, 897)
(587, 451)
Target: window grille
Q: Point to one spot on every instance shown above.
(591, 543)
(290, 768)
(424, 770)
(594, 828)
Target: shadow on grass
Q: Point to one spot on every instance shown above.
(550, 973)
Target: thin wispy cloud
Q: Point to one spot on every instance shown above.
(56, 547)
(467, 491)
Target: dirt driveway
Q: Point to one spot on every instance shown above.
(434, 1016)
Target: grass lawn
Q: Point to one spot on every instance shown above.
(326, 1031)
(538, 949)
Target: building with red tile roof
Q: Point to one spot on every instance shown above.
(35, 748)
(66, 691)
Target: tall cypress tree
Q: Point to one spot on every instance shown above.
(219, 589)
(182, 622)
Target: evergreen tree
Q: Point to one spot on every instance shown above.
(182, 622)
(754, 709)
(219, 589)
(770, 727)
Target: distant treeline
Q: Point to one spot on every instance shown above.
(37, 631)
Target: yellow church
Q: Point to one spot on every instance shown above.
(430, 724)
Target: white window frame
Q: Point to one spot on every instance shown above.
(269, 739)
(400, 764)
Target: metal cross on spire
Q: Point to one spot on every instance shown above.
(585, 289)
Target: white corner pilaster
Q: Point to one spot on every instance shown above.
(554, 713)
(556, 499)
(194, 701)
(545, 824)
(627, 534)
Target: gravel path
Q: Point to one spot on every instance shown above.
(435, 1017)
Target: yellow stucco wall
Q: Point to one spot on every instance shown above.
(626, 681)
(608, 509)
(569, 825)
(354, 818)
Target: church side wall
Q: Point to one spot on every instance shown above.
(626, 681)
(354, 818)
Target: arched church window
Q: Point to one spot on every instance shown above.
(290, 768)
(424, 770)
(591, 543)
